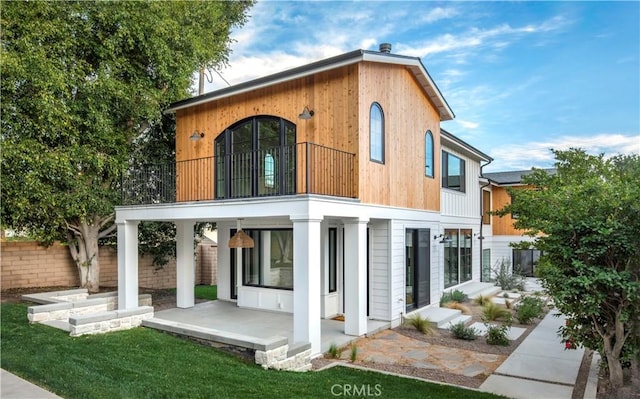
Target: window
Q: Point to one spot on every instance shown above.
(486, 207)
(525, 261)
(428, 154)
(376, 133)
(453, 176)
(457, 256)
(256, 157)
(333, 259)
(514, 215)
(270, 262)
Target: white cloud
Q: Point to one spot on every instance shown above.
(438, 14)
(524, 156)
(468, 124)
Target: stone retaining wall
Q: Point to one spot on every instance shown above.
(64, 310)
(109, 321)
(297, 358)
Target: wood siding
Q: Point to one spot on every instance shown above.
(332, 95)
(341, 100)
(502, 226)
(408, 114)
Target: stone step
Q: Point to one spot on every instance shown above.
(462, 318)
(474, 289)
(439, 317)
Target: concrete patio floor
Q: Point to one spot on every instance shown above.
(228, 317)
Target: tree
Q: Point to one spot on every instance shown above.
(585, 218)
(82, 83)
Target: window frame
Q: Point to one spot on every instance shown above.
(372, 156)
(461, 187)
(429, 160)
(486, 207)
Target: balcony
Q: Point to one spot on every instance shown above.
(302, 168)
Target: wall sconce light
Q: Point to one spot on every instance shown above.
(445, 239)
(306, 113)
(479, 236)
(196, 135)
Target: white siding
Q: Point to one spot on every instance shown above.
(467, 204)
(379, 269)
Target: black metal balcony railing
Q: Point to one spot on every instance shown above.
(303, 168)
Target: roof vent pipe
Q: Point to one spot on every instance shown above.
(385, 48)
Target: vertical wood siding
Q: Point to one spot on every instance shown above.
(408, 115)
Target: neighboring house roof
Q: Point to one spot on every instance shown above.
(413, 64)
(459, 145)
(512, 177)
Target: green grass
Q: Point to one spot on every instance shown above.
(207, 292)
(144, 363)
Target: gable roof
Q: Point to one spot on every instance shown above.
(462, 146)
(413, 64)
(512, 177)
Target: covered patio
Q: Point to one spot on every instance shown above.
(246, 327)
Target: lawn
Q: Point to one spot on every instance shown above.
(144, 363)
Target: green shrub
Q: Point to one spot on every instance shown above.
(422, 324)
(529, 308)
(334, 351)
(453, 296)
(354, 352)
(491, 312)
(482, 300)
(497, 335)
(505, 278)
(461, 331)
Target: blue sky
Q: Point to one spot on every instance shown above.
(521, 77)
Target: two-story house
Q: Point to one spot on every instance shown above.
(333, 188)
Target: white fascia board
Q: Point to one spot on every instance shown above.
(470, 152)
(283, 208)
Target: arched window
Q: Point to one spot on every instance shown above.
(256, 157)
(428, 154)
(376, 133)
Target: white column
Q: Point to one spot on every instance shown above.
(127, 264)
(185, 264)
(306, 282)
(355, 277)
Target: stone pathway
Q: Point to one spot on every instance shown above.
(389, 347)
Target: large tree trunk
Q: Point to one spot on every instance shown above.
(84, 248)
(613, 342)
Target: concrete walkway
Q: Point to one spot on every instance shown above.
(539, 367)
(14, 387)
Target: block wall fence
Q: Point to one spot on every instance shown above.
(25, 264)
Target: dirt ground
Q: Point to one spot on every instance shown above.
(166, 299)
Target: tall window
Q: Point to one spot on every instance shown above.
(376, 133)
(256, 157)
(428, 154)
(333, 259)
(457, 256)
(453, 176)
